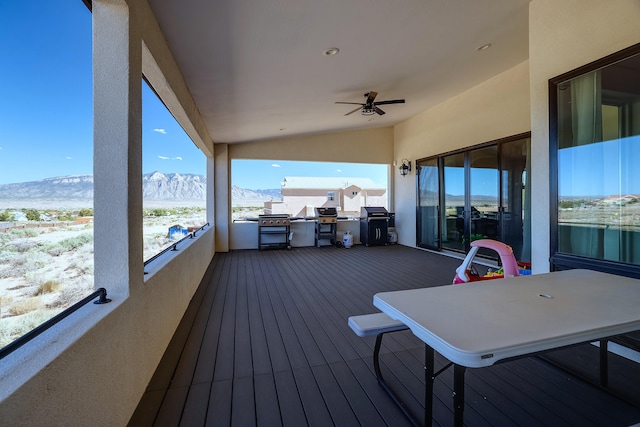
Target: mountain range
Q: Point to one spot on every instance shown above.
(156, 186)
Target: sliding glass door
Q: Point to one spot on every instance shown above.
(454, 194)
(428, 204)
(484, 197)
(515, 223)
(474, 194)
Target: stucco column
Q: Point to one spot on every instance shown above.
(117, 169)
(222, 196)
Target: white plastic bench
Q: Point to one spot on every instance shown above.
(368, 325)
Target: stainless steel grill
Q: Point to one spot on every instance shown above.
(274, 231)
(326, 225)
(274, 220)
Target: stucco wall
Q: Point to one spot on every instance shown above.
(564, 35)
(361, 146)
(495, 109)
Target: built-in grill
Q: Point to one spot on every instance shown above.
(274, 231)
(374, 223)
(326, 225)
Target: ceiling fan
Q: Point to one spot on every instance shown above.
(370, 107)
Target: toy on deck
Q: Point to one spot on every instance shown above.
(509, 268)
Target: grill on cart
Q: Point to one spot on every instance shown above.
(326, 224)
(274, 231)
(374, 223)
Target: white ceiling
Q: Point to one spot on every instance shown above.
(257, 69)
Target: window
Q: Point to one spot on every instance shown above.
(174, 182)
(595, 152)
(46, 153)
(297, 188)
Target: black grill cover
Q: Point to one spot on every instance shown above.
(373, 211)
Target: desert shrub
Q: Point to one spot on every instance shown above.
(24, 233)
(154, 244)
(72, 292)
(25, 306)
(15, 265)
(5, 272)
(13, 258)
(69, 244)
(48, 287)
(55, 250)
(85, 212)
(27, 265)
(81, 266)
(14, 327)
(4, 238)
(23, 245)
(5, 301)
(7, 249)
(158, 212)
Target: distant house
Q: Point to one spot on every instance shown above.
(301, 195)
(84, 220)
(48, 216)
(19, 216)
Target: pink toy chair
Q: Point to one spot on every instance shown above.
(509, 263)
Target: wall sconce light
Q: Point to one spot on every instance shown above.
(405, 167)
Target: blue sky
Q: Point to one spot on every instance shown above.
(607, 161)
(268, 174)
(46, 110)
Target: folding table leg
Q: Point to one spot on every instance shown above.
(385, 386)
(458, 395)
(429, 378)
(604, 363)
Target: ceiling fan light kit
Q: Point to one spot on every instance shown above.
(370, 107)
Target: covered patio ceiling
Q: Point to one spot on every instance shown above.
(258, 69)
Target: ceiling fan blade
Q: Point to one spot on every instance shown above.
(371, 96)
(394, 101)
(377, 110)
(353, 111)
(354, 103)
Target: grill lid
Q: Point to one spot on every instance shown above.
(326, 212)
(373, 211)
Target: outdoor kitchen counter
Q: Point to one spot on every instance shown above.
(244, 234)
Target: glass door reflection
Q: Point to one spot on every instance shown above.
(484, 198)
(428, 204)
(453, 218)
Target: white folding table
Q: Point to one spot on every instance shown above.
(481, 323)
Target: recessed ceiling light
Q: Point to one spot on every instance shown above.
(484, 47)
(331, 51)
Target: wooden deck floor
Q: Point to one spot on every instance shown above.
(265, 342)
